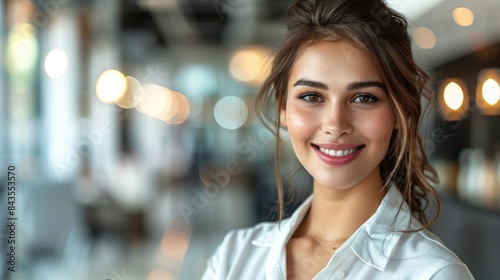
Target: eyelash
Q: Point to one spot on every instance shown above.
(366, 95)
(306, 95)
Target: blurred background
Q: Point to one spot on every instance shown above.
(130, 129)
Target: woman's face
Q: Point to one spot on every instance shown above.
(338, 115)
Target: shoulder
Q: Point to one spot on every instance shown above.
(242, 252)
(246, 236)
(426, 250)
(417, 253)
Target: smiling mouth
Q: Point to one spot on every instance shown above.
(338, 153)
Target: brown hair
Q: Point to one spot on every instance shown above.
(382, 33)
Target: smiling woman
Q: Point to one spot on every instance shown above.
(338, 115)
(345, 87)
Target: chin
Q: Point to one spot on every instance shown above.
(336, 184)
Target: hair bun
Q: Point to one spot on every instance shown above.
(374, 14)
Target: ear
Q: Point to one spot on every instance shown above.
(283, 117)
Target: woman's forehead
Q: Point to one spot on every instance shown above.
(334, 60)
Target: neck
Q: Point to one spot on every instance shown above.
(336, 214)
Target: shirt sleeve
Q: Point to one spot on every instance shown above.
(455, 271)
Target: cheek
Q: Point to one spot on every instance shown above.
(379, 128)
(300, 124)
(299, 119)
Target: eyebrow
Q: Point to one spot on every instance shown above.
(350, 86)
(309, 83)
(365, 84)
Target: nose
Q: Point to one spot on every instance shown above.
(337, 121)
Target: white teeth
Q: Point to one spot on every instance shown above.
(337, 153)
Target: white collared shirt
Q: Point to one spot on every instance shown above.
(374, 251)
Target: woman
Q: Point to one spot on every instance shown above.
(346, 89)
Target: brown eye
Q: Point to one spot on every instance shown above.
(365, 98)
(311, 97)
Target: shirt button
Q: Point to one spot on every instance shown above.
(340, 274)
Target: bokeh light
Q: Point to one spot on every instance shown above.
(463, 16)
(174, 244)
(56, 63)
(491, 91)
(133, 94)
(453, 99)
(111, 86)
(183, 111)
(22, 48)
(196, 80)
(488, 91)
(158, 102)
(453, 96)
(424, 37)
(250, 65)
(170, 111)
(172, 248)
(231, 112)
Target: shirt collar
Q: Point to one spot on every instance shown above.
(373, 242)
(286, 228)
(376, 239)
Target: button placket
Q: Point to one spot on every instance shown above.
(340, 274)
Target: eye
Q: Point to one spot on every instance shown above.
(365, 98)
(311, 97)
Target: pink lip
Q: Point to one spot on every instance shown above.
(337, 161)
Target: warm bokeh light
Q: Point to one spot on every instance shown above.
(463, 16)
(453, 99)
(161, 274)
(250, 65)
(155, 100)
(231, 112)
(453, 96)
(491, 91)
(133, 94)
(488, 91)
(111, 86)
(173, 248)
(183, 111)
(174, 244)
(158, 102)
(170, 112)
(56, 63)
(424, 37)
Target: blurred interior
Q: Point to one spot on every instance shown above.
(131, 127)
